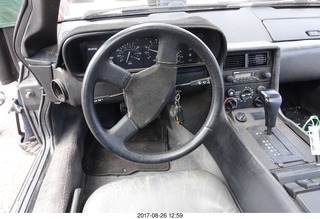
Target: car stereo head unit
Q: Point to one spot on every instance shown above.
(247, 76)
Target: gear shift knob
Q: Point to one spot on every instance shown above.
(271, 101)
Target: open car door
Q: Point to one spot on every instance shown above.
(35, 41)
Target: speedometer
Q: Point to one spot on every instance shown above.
(128, 56)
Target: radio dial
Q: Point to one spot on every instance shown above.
(229, 78)
(266, 75)
(231, 92)
(261, 88)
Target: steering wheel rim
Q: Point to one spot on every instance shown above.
(170, 37)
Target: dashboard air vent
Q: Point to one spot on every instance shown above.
(258, 59)
(235, 61)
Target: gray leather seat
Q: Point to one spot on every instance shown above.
(180, 191)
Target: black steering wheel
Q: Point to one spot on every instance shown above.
(147, 92)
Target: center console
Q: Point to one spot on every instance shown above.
(252, 104)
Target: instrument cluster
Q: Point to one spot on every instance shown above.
(139, 53)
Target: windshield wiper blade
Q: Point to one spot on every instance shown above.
(145, 10)
(134, 10)
(105, 13)
(280, 3)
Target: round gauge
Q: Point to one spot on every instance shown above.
(150, 51)
(151, 48)
(187, 55)
(128, 55)
(191, 56)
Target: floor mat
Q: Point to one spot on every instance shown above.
(297, 114)
(291, 105)
(100, 161)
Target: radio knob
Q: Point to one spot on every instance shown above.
(229, 78)
(266, 75)
(231, 92)
(261, 88)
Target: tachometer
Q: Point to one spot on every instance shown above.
(129, 56)
(150, 51)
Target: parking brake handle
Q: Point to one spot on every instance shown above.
(271, 102)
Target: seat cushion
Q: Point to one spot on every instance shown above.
(181, 191)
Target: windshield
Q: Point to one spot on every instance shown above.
(86, 9)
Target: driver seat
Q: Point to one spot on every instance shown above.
(194, 191)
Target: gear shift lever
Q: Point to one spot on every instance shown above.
(272, 101)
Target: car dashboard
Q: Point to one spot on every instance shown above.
(254, 44)
(257, 48)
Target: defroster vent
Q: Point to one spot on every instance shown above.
(258, 59)
(235, 61)
(247, 60)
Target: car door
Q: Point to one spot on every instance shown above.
(34, 41)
